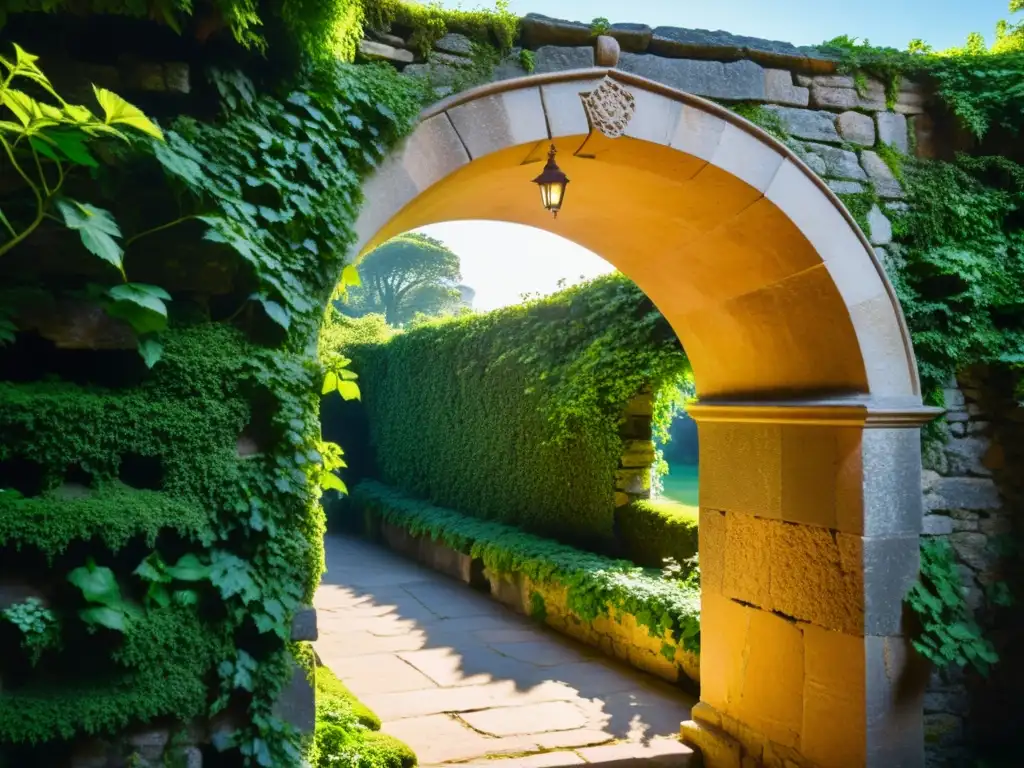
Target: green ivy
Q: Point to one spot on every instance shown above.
(948, 634)
(983, 87)
(426, 24)
(594, 584)
(958, 267)
(518, 412)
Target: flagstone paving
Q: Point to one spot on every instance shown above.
(461, 679)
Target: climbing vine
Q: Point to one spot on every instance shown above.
(948, 634)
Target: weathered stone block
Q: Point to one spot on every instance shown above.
(736, 81)
(149, 744)
(456, 44)
(845, 187)
(857, 128)
(972, 493)
(552, 58)
(966, 456)
(747, 567)
(510, 67)
(632, 37)
(177, 78)
(892, 130)
(818, 576)
(839, 163)
(924, 135)
(879, 227)
(882, 178)
(942, 729)
(381, 52)
(296, 703)
(538, 30)
(972, 549)
(779, 88)
(936, 525)
(826, 97)
(806, 123)
(716, 747)
(304, 627)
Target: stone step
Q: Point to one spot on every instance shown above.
(658, 753)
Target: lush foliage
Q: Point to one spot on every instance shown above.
(515, 415)
(982, 87)
(314, 29)
(179, 505)
(959, 266)
(348, 732)
(46, 144)
(409, 275)
(428, 23)
(653, 531)
(949, 635)
(594, 583)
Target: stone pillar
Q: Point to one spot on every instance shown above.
(809, 524)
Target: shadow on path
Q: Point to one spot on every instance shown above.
(460, 677)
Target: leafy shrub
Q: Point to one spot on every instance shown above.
(347, 731)
(594, 584)
(652, 531)
(514, 415)
(429, 23)
(333, 694)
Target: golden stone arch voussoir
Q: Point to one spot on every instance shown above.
(770, 284)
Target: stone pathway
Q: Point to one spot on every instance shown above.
(461, 679)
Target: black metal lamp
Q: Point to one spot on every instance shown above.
(552, 183)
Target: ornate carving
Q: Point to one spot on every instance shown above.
(609, 108)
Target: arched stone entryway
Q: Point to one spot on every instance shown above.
(809, 398)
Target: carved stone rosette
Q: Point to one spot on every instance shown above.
(609, 108)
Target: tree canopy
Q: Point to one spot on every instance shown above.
(410, 275)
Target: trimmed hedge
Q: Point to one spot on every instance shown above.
(651, 531)
(594, 583)
(514, 416)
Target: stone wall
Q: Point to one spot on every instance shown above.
(974, 496)
(832, 125)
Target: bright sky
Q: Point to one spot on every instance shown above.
(502, 261)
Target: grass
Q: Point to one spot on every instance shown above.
(681, 484)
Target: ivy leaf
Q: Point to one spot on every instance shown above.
(72, 145)
(349, 390)
(189, 568)
(105, 616)
(141, 305)
(152, 569)
(275, 311)
(151, 351)
(117, 111)
(350, 276)
(97, 229)
(97, 583)
(331, 482)
(330, 383)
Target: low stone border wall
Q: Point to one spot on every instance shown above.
(618, 636)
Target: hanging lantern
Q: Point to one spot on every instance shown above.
(552, 183)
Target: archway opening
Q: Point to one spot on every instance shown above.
(809, 402)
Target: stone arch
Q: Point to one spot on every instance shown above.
(810, 403)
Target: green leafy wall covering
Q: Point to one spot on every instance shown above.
(514, 415)
(660, 602)
(164, 507)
